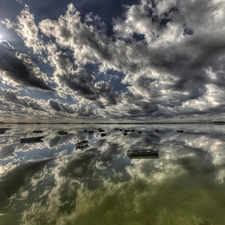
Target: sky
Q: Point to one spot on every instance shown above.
(111, 60)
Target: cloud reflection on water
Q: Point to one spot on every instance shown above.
(101, 185)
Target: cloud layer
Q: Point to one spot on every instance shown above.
(169, 52)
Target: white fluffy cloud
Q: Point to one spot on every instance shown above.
(171, 53)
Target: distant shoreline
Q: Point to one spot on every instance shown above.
(102, 123)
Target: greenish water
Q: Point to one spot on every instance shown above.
(52, 182)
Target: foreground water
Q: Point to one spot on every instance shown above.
(52, 182)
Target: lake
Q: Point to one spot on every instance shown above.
(54, 182)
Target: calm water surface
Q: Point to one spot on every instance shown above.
(52, 182)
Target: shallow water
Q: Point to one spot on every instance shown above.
(52, 182)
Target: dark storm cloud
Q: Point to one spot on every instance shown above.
(85, 86)
(143, 111)
(105, 90)
(210, 111)
(134, 111)
(81, 110)
(78, 81)
(14, 100)
(82, 85)
(131, 97)
(100, 104)
(147, 107)
(86, 112)
(190, 59)
(187, 63)
(144, 83)
(57, 106)
(142, 107)
(185, 60)
(16, 69)
(208, 48)
(207, 52)
(189, 71)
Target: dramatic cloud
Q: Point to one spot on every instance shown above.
(15, 68)
(161, 59)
